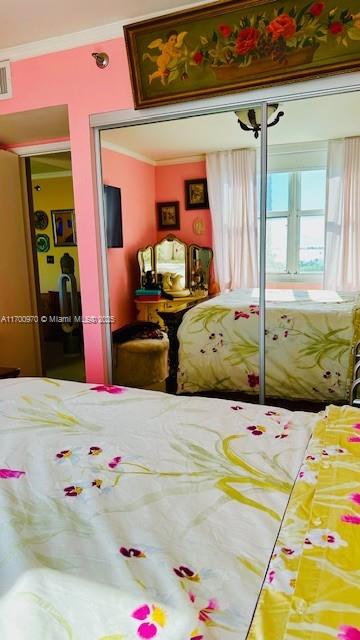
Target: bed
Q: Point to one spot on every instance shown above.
(130, 514)
(310, 337)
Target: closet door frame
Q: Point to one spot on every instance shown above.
(341, 83)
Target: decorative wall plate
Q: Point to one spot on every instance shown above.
(42, 242)
(41, 219)
(198, 226)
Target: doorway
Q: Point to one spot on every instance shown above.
(39, 225)
(53, 224)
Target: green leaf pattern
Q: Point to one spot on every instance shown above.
(138, 500)
(309, 340)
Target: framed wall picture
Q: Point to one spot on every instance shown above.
(236, 45)
(168, 215)
(64, 231)
(196, 194)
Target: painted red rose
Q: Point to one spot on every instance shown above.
(198, 57)
(246, 40)
(336, 27)
(225, 30)
(316, 9)
(284, 25)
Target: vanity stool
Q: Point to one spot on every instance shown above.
(142, 363)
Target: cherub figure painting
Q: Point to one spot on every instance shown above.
(171, 52)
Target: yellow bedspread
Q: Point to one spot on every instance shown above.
(312, 587)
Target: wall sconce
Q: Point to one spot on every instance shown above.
(102, 59)
(250, 119)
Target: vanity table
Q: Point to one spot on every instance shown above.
(184, 272)
(148, 311)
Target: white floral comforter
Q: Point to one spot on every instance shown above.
(129, 514)
(309, 336)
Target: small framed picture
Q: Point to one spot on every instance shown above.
(63, 222)
(196, 194)
(168, 215)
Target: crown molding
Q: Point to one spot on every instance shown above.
(63, 42)
(181, 160)
(84, 37)
(112, 146)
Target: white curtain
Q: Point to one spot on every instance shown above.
(231, 177)
(342, 233)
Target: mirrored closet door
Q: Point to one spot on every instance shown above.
(312, 234)
(191, 206)
(184, 258)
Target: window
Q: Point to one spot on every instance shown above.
(295, 222)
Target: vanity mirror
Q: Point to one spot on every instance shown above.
(146, 262)
(199, 267)
(171, 265)
(177, 266)
(182, 270)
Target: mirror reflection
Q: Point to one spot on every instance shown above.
(146, 263)
(312, 274)
(176, 268)
(199, 267)
(312, 281)
(171, 264)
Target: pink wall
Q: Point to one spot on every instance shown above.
(72, 78)
(137, 182)
(169, 185)
(142, 185)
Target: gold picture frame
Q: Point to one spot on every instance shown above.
(240, 44)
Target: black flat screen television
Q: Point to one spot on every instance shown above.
(113, 217)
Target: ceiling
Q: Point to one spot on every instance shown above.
(307, 120)
(51, 163)
(24, 21)
(32, 126)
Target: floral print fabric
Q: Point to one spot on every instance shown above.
(312, 587)
(309, 336)
(134, 514)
